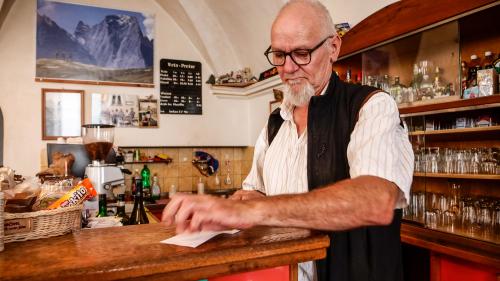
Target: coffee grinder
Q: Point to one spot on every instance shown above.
(98, 141)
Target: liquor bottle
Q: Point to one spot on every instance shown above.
(395, 90)
(120, 210)
(437, 86)
(348, 78)
(155, 189)
(463, 75)
(146, 182)
(474, 66)
(488, 60)
(132, 186)
(103, 208)
(138, 215)
(385, 84)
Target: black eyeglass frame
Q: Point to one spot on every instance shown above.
(310, 51)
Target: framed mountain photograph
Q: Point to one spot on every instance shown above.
(92, 45)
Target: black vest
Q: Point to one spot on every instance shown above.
(361, 254)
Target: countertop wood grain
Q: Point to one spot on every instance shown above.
(134, 252)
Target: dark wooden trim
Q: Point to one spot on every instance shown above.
(82, 110)
(99, 83)
(469, 249)
(450, 104)
(401, 18)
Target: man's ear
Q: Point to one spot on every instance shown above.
(336, 42)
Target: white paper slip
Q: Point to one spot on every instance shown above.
(195, 239)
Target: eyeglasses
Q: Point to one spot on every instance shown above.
(299, 56)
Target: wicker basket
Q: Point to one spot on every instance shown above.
(41, 224)
(2, 204)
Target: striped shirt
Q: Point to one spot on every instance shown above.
(379, 146)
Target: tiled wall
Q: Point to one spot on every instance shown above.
(185, 176)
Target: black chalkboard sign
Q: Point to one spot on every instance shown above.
(180, 87)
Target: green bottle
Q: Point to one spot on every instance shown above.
(146, 182)
(103, 208)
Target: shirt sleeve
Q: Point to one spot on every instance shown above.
(254, 180)
(380, 147)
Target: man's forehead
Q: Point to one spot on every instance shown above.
(298, 25)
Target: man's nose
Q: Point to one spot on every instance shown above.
(290, 66)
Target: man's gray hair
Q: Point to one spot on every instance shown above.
(323, 14)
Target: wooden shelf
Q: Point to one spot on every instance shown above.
(411, 16)
(470, 249)
(458, 176)
(168, 161)
(447, 106)
(456, 131)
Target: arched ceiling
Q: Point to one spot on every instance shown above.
(229, 34)
(233, 34)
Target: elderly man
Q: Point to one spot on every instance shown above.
(334, 157)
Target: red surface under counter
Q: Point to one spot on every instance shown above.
(276, 274)
(453, 269)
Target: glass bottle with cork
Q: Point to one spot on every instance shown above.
(155, 189)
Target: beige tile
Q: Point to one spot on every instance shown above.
(167, 182)
(238, 153)
(227, 154)
(245, 167)
(185, 170)
(237, 167)
(237, 181)
(185, 155)
(185, 184)
(172, 170)
(248, 153)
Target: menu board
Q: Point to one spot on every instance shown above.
(180, 87)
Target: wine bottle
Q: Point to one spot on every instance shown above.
(103, 208)
(138, 215)
(120, 210)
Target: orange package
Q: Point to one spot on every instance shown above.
(82, 191)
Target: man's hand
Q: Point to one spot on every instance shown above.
(193, 213)
(246, 195)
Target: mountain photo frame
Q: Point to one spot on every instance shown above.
(92, 45)
(62, 113)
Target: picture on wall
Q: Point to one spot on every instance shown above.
(85, 43)
(120, 110)
(62, 113)
(148, 113)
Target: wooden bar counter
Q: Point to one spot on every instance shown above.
(135, 252)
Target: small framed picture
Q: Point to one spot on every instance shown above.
(62, 113)
(148, 113)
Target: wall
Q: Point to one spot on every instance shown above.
(225, 122)
(20, 97)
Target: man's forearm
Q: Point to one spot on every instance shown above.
(363, 201)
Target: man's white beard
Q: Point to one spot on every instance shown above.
(298, 97)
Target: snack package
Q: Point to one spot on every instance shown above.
(82, 191)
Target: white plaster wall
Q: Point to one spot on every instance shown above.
(20, 96)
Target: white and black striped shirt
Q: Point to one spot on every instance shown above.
(379, 146)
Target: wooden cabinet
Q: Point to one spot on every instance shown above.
(414, 50)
